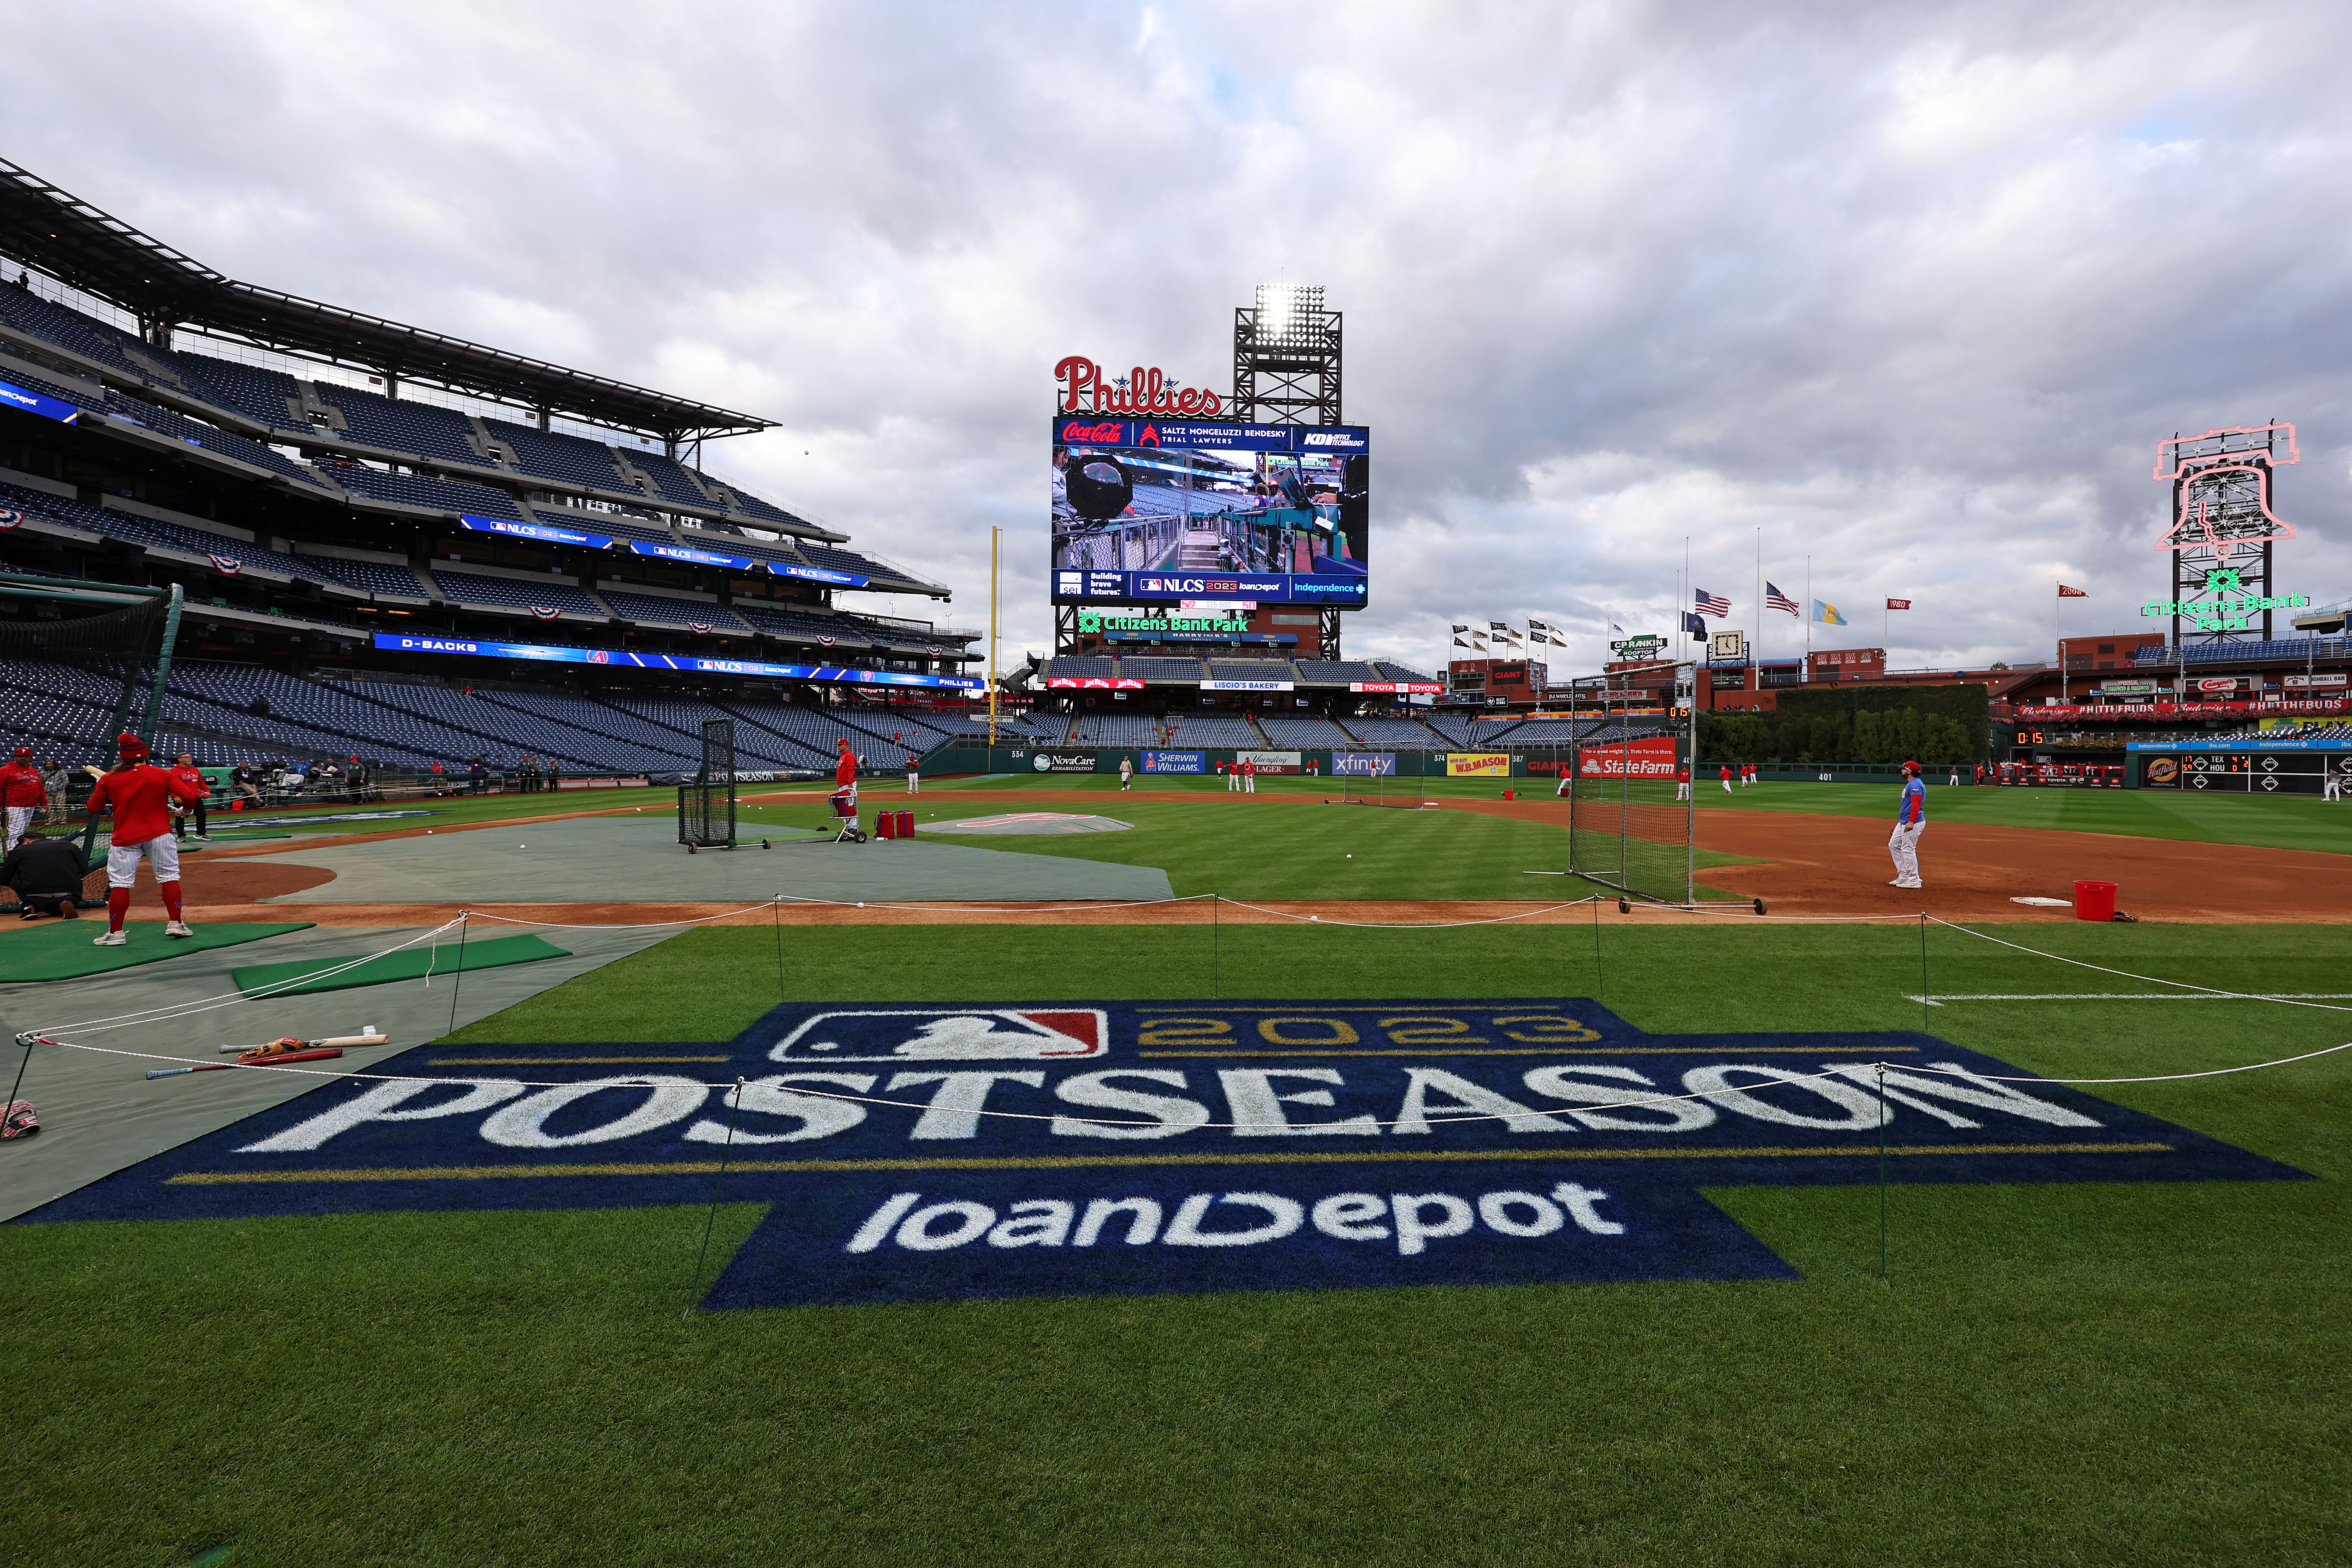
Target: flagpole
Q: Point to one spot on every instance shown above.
(1755, 658)
(1809, 618)
(2058, 635)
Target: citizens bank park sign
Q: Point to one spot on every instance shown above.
(910, 1153)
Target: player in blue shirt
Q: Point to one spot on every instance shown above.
(1910, 821)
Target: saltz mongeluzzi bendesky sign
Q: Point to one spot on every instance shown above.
(919, 1152)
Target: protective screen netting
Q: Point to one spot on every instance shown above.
(1630, 820)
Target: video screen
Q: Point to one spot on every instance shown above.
(1147, 511)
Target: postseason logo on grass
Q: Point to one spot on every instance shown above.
(914, 1154)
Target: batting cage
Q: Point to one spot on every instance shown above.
(706, 805)
(110, 629)
(1632, 811)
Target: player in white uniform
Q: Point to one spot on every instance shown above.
(1910, 821)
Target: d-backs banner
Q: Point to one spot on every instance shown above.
(919, 1152)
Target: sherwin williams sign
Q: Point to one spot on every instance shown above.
(923, 1153)
(1175, 762)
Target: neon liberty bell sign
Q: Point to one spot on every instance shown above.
(2222, 525)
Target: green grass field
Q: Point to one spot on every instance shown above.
(2267, 822)
(2069, 1374)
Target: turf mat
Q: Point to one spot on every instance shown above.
(445, 957)
(62, 950)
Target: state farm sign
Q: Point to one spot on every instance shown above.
(1083, 390)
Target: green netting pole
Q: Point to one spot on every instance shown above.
(1216, 949)
(458, 976)
(1882, 1173)
(1598, 988)
(163, 668)
(776, 910)
(734, 1105)
(1923, 972)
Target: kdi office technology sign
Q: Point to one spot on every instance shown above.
(925, 1152)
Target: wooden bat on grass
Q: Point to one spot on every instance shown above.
(312, 1055)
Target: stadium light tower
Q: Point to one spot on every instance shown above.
(1287, 357)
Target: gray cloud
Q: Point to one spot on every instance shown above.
(1913, 292)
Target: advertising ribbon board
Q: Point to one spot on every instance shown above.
(1478, 764)
(938, 1152)
(1394, 686)
(394, 642)
(1092, 683)
(1175, 762)
(1651, 757)
(1244, 684)
(1271, 761)
(1363, 764)
(1061, 763)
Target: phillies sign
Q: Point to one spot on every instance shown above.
(1083, 390)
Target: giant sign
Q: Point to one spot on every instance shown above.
(1150, 511)
(908, 1151)
(541, 653)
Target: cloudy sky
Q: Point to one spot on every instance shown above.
(1912, 291)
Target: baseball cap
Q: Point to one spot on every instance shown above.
(1911, 767)
(24, 750)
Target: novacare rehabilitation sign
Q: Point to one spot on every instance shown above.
(912, 1154)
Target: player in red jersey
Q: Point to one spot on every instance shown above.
(22, 792)
(142, 796)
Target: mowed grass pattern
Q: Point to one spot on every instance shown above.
(2070, 1373)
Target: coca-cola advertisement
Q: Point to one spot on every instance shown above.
(1148, 510)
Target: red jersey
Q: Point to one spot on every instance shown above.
(1682, 774)
(138, 796)
(845, 771)
(190, 783)
(20, 784)
(1249, 768)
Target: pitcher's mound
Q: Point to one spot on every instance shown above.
(1029, 821)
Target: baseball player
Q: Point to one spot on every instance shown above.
(1910, 821)
(1232, 772)
(142, 796)
(2331, 785)
(1127, 773)
(1681, 781)
(1726, 776)
(914, 773)
(23, 793)
(194, 789)
(844, 780)
(1249, 775)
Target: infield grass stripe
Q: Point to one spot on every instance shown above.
(1098, 1162)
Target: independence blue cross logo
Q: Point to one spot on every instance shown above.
(1072, 1148)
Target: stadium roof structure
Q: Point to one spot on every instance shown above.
(88, 249)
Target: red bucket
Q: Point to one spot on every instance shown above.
(886, 825)
(2094, 900)
(905, 823)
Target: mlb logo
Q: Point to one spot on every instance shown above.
(948, 1034)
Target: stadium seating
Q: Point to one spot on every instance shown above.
(1250, 669)
(164, 422)
(1081, 667)
(1336, 672)
(1214, 729)
(517, 594)
(1453, 730)
(1306, 734)
(689, 614)
(1392, 733)
(755, 746)
(1399, 673)
(259, 394)
(453, 496)
(2277, 649)
(424, 428)
(68, 330)
(1142, 668)
(25, 373)
(671, 478)
(573, 460)
(832, 558)
(369, 577)
(1545, 732)
(1133, 730)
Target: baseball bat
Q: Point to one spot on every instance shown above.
(334, 1040)
(231, 1066)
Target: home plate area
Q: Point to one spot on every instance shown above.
(913, 1153)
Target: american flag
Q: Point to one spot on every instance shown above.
(1776, 600)
(1714, 605)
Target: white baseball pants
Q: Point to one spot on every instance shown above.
(1903, 845)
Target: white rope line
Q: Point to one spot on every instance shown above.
(171, 1010)
(2127, 974)
(1415, 925)
(2158, 1077)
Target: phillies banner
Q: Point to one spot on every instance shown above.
(1651, 757)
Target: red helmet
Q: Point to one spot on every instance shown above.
(129, 746)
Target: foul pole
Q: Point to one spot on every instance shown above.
(995, 541)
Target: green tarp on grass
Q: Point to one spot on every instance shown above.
(61, 950)
(408, 964)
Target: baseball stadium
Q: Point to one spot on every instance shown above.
(702, 1061)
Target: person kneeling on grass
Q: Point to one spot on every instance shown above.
(46, 875)
(142, 796)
